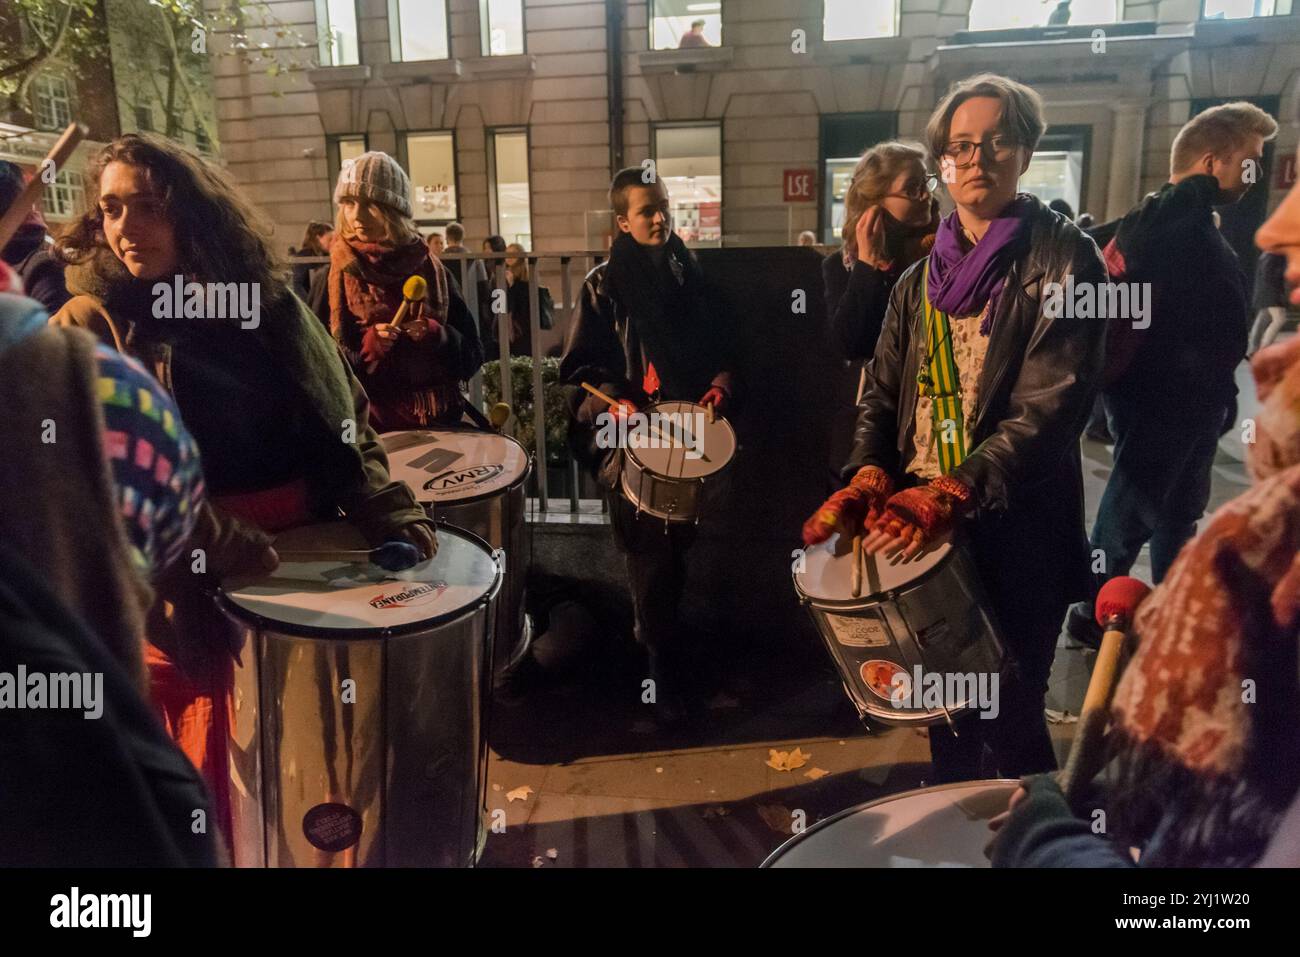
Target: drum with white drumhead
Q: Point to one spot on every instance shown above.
(357, 709)
(929, 613)
(476, 481)
(943, 826)
(673, 450)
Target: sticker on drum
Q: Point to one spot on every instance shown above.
(339, 596)
(331, 827)
(859, 632)
(942, 826)
(454, 465)
(827, 573)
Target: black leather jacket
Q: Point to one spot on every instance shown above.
(1039, 379)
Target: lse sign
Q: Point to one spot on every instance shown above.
(798, 185)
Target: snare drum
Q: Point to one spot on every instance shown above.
(928, 613)
(943, 826)
(358, 706)
(474, 480)
(667, 464)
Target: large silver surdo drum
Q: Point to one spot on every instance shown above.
(358, 706)
(474, 480)
(943, 826)
(927, 618)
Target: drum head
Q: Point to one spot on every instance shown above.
(677, 441)
(827, 574)
(326, 597)
(454, 465)
(944, 826)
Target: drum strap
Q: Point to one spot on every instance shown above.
(938, 380)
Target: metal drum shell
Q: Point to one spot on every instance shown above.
(953, 585)
(670, 498)
(988, 795)
(418, 765)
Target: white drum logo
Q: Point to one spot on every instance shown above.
(475, 475)
(416, 594)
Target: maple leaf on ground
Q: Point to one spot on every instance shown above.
(519, 794)
(786, 760)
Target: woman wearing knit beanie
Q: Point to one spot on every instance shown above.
(412, 373)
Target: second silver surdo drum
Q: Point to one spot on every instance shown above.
(474, 480)
(357, 707)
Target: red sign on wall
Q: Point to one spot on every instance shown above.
(799, 185)
(1286, 172)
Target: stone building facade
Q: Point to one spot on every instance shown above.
(772, 103)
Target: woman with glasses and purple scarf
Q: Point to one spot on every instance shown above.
(975, 400)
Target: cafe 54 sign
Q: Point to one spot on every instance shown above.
(799, 185)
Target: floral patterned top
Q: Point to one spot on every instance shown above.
(968, 349)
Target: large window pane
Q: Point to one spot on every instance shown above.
(673, 24)
(341, 149)
(1055, 174)
(689, 161)
(502, 25)
(844, 138)
(418, 28)
(337, 25)
(431, 164)
(1009, 14)
(859, 19)
(510, 187)
(1240, 9)
(53, 101)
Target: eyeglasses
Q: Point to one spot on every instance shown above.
(1000, 148)
(919, 190)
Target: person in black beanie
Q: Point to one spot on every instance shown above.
(30, 252)
(644, 332)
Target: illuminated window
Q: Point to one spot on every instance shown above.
(1057, 168)
(1010, 14)
(65, 197)
(511, 205)
(844, 138)
(1242, 9)
(336, 25)
(430, 161)
(418, 29)
(341, 149)
(501, 25)
(688, 160)
(859, 19)
(685, 24)
(52, 99)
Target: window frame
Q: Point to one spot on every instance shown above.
(395, 30)
(75, 190)
(825, 195)
(1119, 18)
(1202, 18)
(494, 213)
(46, 79)
(325, 50)
(404, 160)
(722, 164)
(898, 26)
(485, 33)
(650, 26)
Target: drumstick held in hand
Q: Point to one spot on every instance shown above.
(857, 566)
(395, 556)
(415, 289)
(1116, 603)
(13, 216)
(600, 395)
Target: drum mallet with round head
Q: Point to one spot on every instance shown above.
(1116, 603)
(414, 290)
(394, 556)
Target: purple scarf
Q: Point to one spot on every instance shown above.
(961, 282)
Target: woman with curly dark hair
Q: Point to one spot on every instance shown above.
(173, 267)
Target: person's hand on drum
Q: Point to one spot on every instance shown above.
(849, 509)
(998, 820)
(716, 397)
(917, 517)
(420, 534)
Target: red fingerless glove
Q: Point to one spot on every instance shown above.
(716, 397)
(370, 350)
(931, 508)
(849, 507)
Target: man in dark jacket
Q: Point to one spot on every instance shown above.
(643, 332)
(30, 251)
(1171, 386)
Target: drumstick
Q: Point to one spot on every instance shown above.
(391, 556)
(857, 565)
(1116, 603)
(709, 412)
(13, 216)
(415, 289)
(600, 395)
